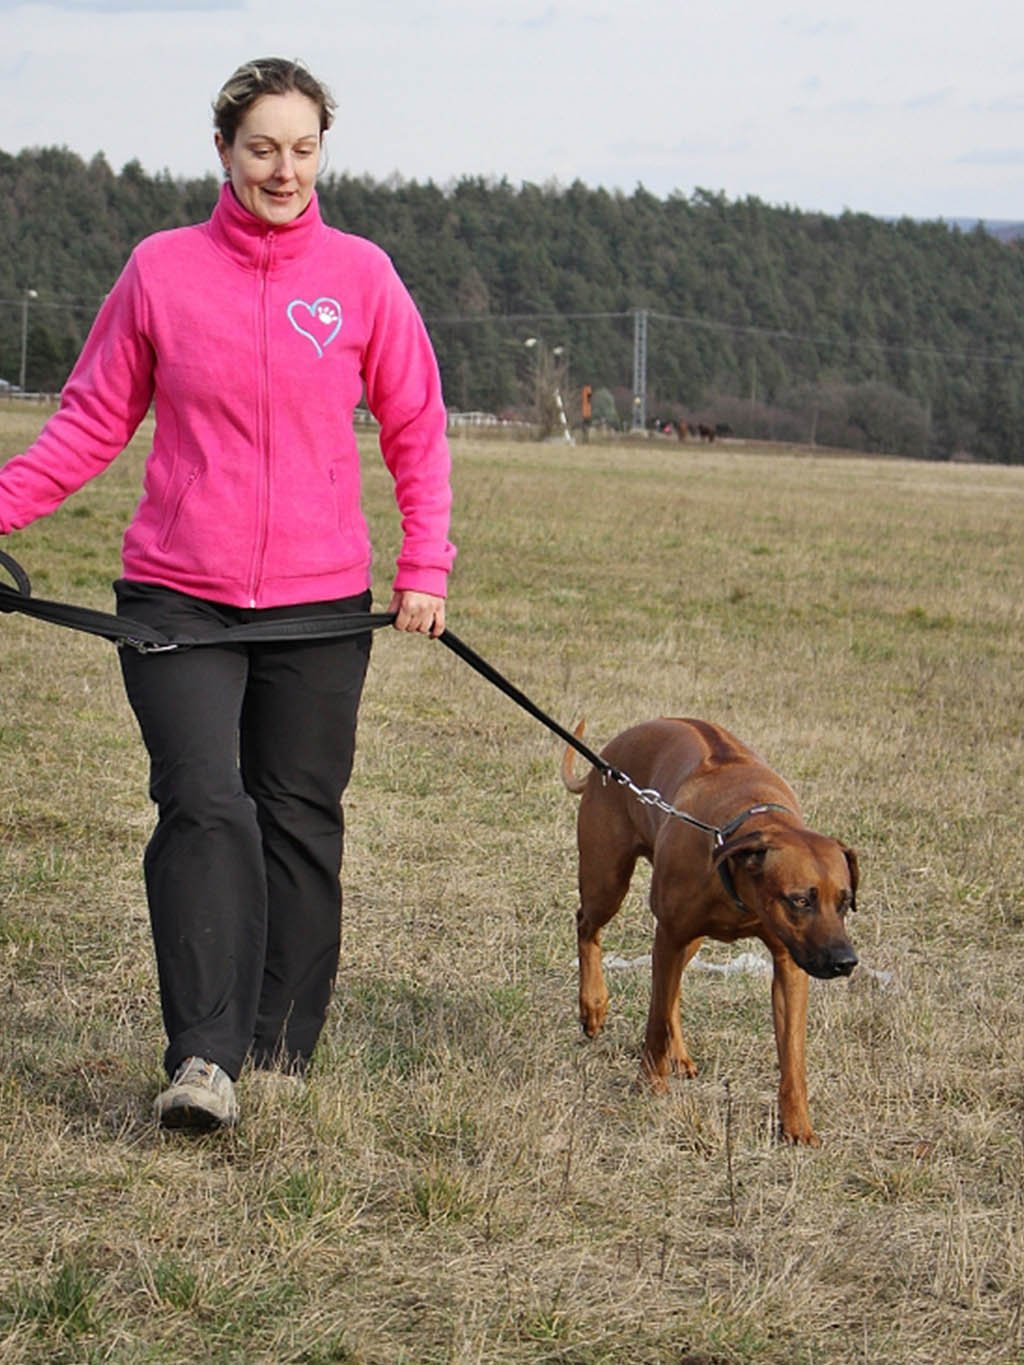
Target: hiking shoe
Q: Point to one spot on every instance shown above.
(201, 1096)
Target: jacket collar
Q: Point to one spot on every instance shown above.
(252, 243)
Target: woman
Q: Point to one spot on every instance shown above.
(254, 335)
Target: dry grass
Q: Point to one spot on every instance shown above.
(465, 1179)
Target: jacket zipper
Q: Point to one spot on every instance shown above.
(263, 423)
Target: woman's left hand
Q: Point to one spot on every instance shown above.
(419, 612)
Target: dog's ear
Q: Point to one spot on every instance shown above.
(851, 862)
(749, 851)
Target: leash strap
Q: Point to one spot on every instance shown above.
(123, 630)
(492, 675)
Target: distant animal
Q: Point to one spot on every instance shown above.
(723, 429)
(769, 877)
(682, 429)
(705, 432)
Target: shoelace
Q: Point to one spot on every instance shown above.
(197, 1070)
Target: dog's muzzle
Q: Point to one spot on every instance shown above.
(839, 962)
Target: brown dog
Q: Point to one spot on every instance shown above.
(759, 872)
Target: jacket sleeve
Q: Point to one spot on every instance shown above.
(105, 398)
(403, 391)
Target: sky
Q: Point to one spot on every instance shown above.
(904, 107)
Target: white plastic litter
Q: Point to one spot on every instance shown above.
(744, 964)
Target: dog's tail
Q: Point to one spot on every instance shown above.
(573, 783)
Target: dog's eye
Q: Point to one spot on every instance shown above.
(802, 904)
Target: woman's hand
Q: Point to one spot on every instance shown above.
(419, 612)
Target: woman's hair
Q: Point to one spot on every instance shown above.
(267, 76)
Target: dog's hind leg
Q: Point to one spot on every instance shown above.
(665, 1052)
(603, 885)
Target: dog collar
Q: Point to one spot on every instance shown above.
(724, 833)
(721, 835)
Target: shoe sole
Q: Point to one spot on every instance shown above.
(195, 1116)
(194, 1120)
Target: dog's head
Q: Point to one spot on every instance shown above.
(801, 886)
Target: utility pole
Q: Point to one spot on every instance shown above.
(640, 369)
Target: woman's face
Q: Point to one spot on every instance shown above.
(275, 156)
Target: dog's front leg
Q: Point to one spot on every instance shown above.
(789, 1010)
(664, 1049)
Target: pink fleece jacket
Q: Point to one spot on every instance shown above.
(255, 344)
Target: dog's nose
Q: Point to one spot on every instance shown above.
(844, 961)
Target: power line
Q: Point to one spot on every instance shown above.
(839, 340)
(522, 317)
(741, 329)
(66, 305)
(86, 305)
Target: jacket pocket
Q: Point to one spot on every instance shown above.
(178, 506)
(348, 513)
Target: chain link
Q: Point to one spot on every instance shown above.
(650, 796)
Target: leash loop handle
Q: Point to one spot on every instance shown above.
(21, 579)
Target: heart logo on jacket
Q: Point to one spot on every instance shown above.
(319, 321)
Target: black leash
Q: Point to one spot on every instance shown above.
(124, 631)
(492, 675)
(128, 633)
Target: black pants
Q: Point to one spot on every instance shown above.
(250, 747)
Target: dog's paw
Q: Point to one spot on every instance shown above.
(687, 1068)
(803, 1136)
(592, 1017)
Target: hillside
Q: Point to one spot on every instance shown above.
(849, 330)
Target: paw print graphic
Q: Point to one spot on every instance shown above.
(319, 322)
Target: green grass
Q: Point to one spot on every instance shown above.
(465, 1179)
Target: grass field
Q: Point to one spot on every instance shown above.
(465, 1179)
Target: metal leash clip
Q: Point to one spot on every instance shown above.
(149, 646)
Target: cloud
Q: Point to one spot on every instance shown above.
(545, 18)
(929, 99)
(130, 6)
(992, 156)
(818, 28)
(1002, 104)
(857, 105)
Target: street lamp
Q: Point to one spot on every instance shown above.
(536, 343)
(28, 294)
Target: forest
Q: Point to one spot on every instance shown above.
(778, 323)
